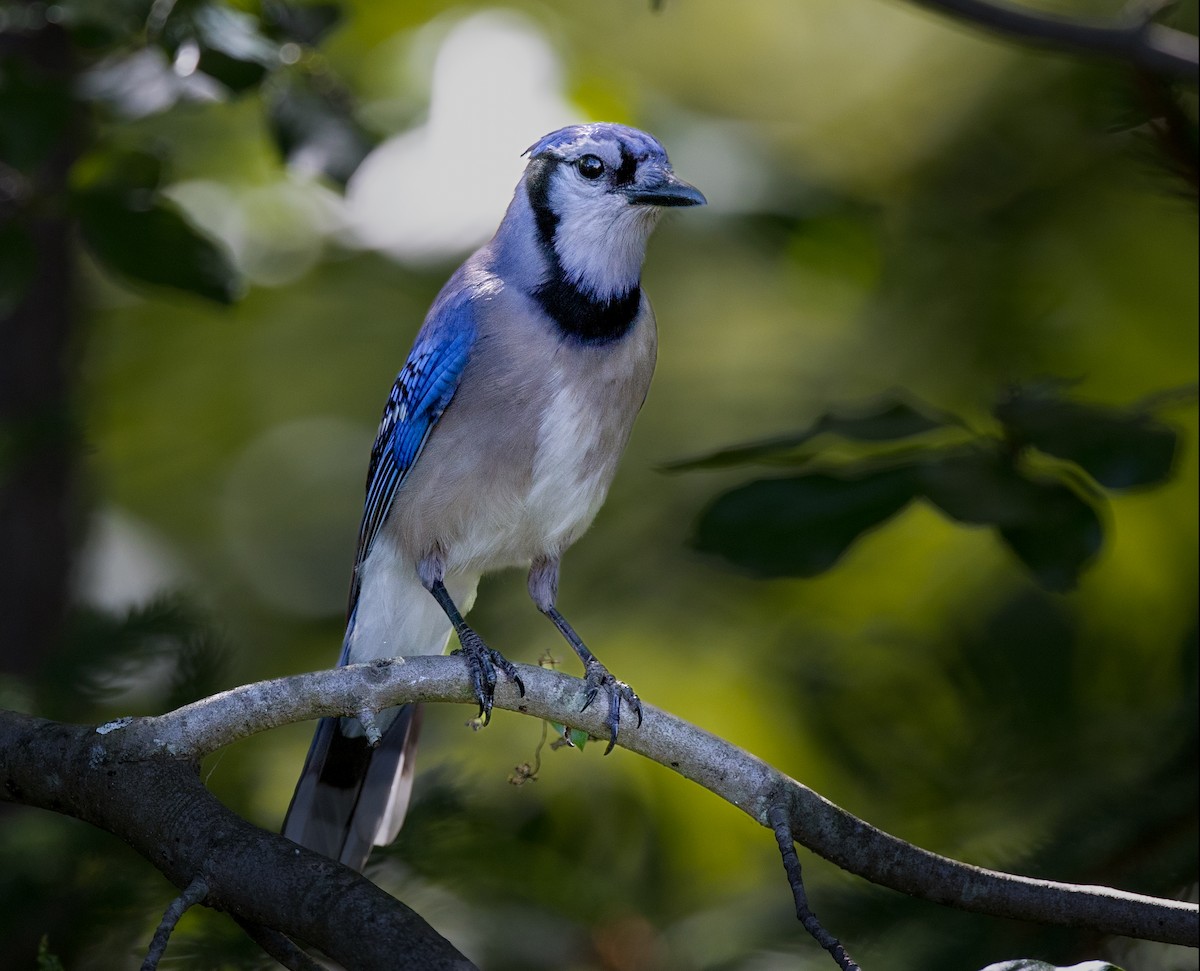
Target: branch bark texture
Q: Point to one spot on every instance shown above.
(181, 828)
(158, 805)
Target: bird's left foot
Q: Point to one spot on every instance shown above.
(483, 663)
(597, 677)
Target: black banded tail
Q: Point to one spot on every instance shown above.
(352, 796)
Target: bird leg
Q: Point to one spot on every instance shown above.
(482, 662)
(543, 589)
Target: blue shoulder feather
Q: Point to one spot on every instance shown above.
(423, 390)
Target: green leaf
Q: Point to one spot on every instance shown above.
(232, 49)
(313, 124)
(100, 25)
(139, 234)
(237, 75)
(46, 960)
(577, 736)
(147, 239)
(800, 526)
(979, 485)
(888, 418)
(142, 82)
(117, 171)
(1052, 529)
(1119, 448)
(303, 23)
(235, 34)
(1061, 541)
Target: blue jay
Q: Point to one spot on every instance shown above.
(496, 449)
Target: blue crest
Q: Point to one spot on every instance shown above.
(574, 139)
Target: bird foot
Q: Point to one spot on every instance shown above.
(596, 676)
(483, 663)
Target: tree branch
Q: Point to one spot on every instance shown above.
(1138, 39)
(157, 804)
(731, 773)
(138, 779)
(778, 820)
(194, 893)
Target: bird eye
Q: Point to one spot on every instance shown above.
(590, 167)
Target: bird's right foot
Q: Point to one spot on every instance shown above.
(483, 663)
(597, 677)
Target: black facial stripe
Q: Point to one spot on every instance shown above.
(628, 168)
(577, 314)
(584, 317)
(537, 185)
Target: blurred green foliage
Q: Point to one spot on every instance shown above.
(135, 231)
(45, 960)
(897, 202)
(800, 526)
(1028, 965)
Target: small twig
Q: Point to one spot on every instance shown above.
(1151, 46)
(193, 893)
(279, 946)
(777, 816)
(529, 773)
(367, 718)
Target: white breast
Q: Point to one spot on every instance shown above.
(572, 468)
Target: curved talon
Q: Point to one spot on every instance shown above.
(482, 663)
(480, 685)
(614, 716)
(597, 676)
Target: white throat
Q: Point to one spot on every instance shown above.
(601, 242)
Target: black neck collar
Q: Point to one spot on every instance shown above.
(579, 315)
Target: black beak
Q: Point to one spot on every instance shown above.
(667, 191)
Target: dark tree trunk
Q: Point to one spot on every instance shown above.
(38, 438)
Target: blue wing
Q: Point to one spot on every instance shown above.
(422, 392)
(349, 789)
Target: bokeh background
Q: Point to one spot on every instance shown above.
(896, 202)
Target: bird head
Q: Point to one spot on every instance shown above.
(596, 192)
